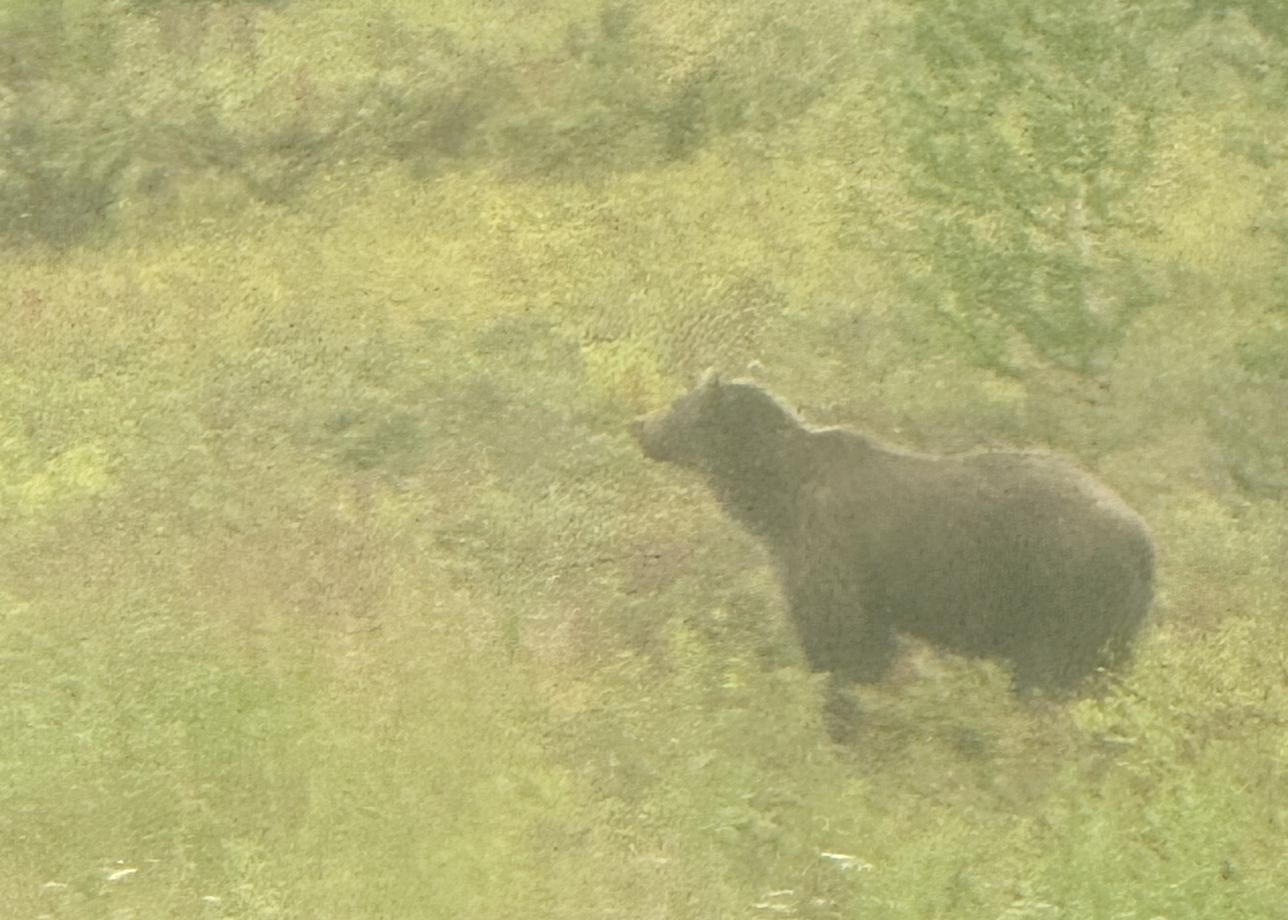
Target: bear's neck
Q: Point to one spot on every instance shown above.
(760, 488)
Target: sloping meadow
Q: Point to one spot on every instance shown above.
(332, 585)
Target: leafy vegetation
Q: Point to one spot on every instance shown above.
(332, 586)
(1025, 130)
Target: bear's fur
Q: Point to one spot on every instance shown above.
(1013, 556)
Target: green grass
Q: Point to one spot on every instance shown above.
(332, 586)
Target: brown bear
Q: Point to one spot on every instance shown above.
(1013, 556)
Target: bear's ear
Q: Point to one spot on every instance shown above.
(709, 379)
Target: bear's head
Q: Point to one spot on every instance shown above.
(717, 427)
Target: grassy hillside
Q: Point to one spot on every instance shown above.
(331, 584)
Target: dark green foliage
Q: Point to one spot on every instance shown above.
(614, 108)
(62, 145)
(58, 180)
(601, 102)
(1269, 16)
(1026, 128)
(40, 40)
(273, 166)
(727, 95)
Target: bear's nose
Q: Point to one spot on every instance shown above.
(644, 431)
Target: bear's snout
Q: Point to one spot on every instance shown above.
(644, 431)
